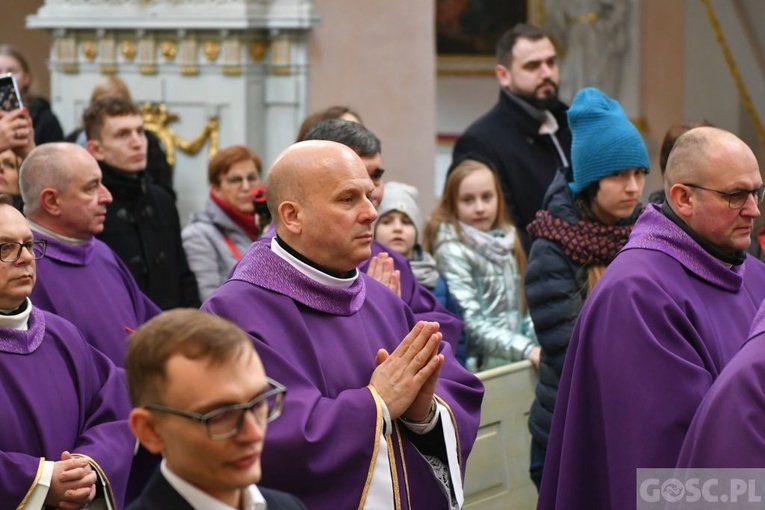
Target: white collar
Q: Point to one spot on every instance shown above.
(311, 272)
(252, 499)
(19, 321)
(66, 240)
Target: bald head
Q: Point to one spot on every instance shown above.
(295, 171)
(319, 194)
(62, 190)
(713, 185)
(47, 166)
(700, 153)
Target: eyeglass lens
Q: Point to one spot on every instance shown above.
(11, 251)
(229, 421)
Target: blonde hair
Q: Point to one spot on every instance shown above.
(446, 210)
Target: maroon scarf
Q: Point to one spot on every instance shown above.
(245, 221)
(584, 242)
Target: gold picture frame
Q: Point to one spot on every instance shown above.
(463, 52)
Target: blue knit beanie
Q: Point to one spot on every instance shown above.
(604, 141)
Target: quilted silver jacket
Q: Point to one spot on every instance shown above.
(490, 294)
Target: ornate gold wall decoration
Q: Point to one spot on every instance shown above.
(168, 50)
(212, 50)
(129, 50)
(281, 56)
(107, 50)
(156, 119)
(66, 54)
(257, 50)
(147, 55)
(231, 51)
(189, 59)
(89, 50)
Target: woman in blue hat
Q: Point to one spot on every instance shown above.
(589, 211)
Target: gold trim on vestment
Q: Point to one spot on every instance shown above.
(108, 494)
(34, 484)
(393, 470)
(378, 432)
(403, 466)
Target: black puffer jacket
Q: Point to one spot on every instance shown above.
(556, 288)
(143, 228)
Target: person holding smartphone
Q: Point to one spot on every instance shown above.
(46, 126)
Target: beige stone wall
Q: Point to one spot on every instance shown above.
(377, 57)
(35, 44)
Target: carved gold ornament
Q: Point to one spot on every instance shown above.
(156, 119)
(89, 50)
(257, 50)
(129, 50)
(212, 50)
(169, 50)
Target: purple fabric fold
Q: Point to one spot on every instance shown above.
(16, 341)
(264, 268)
(654, 231)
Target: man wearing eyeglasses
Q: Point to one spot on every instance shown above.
(65, 202)
(202, 400)
(666, 317)
(141, 224)
(64, 438)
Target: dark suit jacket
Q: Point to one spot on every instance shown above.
(160, 495)
(525, 161)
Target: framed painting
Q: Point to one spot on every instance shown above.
(467, 31)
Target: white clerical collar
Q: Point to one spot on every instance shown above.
(50, 233)
(18, 321)
(252, 499)
(311, 272)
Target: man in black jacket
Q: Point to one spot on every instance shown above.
(142, 224)
(203, 401)
(526, 133)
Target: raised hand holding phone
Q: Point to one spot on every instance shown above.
(10, 97)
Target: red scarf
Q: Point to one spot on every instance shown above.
(245, 221)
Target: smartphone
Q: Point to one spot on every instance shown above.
(10, 99)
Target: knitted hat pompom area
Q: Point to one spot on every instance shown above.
(401, 197)
(604, 140)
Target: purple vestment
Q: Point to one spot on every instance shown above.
(654, 334)
(57, 394)
(728, 430)
(423, 303)
(321, 343)
(91, 287)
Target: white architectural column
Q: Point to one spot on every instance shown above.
(242, 62)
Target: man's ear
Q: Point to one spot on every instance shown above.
(682, 199)
(144, 427)
(94, 147)
(291, 215)
(49, 201)
(503, 75)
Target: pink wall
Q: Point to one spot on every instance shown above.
(34, 44)
(377, 57)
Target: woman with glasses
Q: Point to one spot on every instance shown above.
(216, 238)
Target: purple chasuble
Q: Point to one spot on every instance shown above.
(658, 328)
(728, 430)
(90, 286)
(423, 302)
(62, 395)
(321, 343)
